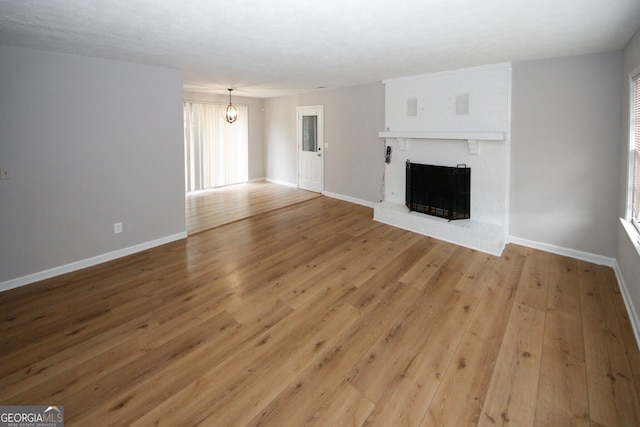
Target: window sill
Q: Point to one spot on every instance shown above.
(633, 234)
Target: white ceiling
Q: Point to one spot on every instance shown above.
(267, 48)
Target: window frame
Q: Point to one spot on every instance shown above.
(634, 124)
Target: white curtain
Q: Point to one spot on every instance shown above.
(215, 152)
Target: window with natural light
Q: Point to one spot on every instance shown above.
(635, 145)
(215, 151)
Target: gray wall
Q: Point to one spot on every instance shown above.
(88, 142)
(256, 130)
(565, 152)
(280, 139)
(354, 161)
(627, 255)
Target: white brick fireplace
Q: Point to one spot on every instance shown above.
(451, 118)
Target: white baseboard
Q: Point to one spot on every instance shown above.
(349, 199)
(631, 311)
(257, 179)
(329, 194)
(559, 250)
(88, 262)
(275, 181)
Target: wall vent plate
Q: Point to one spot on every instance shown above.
(412, 107)
(462, 104)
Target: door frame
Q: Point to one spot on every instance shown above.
(319, 112)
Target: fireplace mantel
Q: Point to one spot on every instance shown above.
(479, 136)
(472, 138)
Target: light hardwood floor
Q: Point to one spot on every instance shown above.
(314, 314)
(215, 207)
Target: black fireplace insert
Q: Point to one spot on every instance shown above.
(441, 191)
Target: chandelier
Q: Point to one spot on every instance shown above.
(230, 113)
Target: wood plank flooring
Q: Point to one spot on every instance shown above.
(314, 314)
(218, 206)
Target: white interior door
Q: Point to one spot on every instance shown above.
(310, 145)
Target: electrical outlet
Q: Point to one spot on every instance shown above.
(5, 173)
(117, 228)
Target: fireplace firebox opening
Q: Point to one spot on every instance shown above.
(441, 191)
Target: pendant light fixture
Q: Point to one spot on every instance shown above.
(231, 113)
